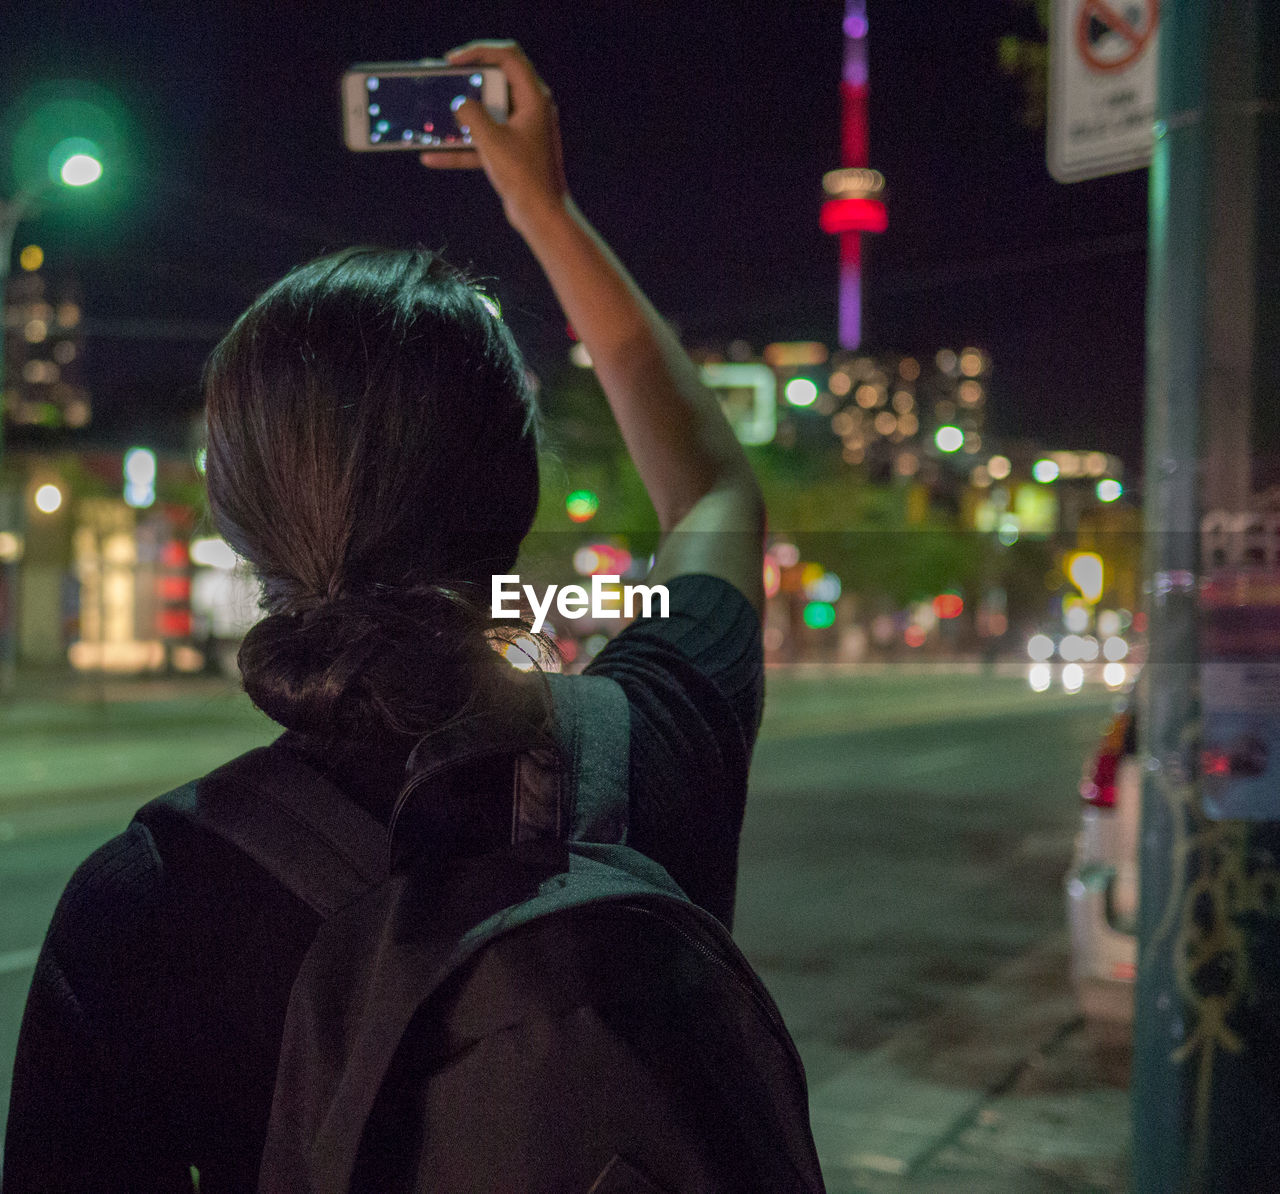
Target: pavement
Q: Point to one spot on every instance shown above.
(1004, 1090)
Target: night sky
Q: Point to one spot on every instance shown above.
(695, 135)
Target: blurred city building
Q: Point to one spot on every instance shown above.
(926, 534)
(901, 527)
(42, 316)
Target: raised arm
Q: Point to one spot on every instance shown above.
(707, 499)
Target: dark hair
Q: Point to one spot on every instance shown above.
(372, 452)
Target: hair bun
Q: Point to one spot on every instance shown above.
(361, 663)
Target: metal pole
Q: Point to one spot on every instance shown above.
(1206, 1096)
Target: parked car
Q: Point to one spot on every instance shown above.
(1102, 884)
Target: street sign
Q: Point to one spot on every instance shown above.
(1102, 86)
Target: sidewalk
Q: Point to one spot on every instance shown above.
(1001, 1093)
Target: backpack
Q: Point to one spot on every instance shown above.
(553, 1017)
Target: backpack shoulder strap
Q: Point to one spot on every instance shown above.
(321, 846)
(328, 851)
(586, 799)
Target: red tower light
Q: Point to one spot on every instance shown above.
(854, 215)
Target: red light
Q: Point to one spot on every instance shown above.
(173, 588)
(853, 215)
(174, 623)
(1140, 622)
(948, 605)
(1100, 790)
(914, 636)
(1215, 763)
(174, 554)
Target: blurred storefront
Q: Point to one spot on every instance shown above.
(121, 583)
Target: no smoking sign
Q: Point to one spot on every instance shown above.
(1102, 86)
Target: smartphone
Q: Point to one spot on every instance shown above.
(411, 105)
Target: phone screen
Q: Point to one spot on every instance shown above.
(418, 109)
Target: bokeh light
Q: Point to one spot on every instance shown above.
(48, 498)
(1040, 647)
(800, 391)
(949, 438)
(581, 505)
(819, 615)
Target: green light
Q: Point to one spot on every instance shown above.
(801, 391)
(1045, 471)
(1108, 489)
(75, 162)
(57, 121)
(581, 505)
(949, 438)
(819, 615)
(80, 170)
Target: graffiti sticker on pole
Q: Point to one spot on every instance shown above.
(1102, 86)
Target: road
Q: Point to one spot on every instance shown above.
(904, 848)
(906, 836)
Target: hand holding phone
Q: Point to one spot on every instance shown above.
(522, 157)
(414, 105)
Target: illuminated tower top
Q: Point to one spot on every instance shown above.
(855, 205)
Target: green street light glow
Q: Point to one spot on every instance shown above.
(949, 438)
(1045, 471)
(80, 170)
(1108, 489)
(75, 162)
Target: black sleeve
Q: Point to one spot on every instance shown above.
(695, 684)
(82, 1116)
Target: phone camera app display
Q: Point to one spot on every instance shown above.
(419, 110)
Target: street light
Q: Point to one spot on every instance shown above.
(76, 161)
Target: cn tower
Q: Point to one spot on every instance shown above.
(855, 203)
